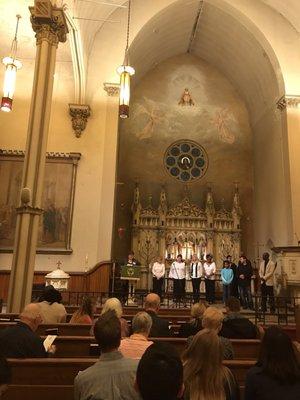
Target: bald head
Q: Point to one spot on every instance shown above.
(152, 302)
(31, 316)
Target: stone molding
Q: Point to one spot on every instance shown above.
(288, 101)
(79, 115)
(112, 89)
(48, 22)
(26, 209)
(51, 154)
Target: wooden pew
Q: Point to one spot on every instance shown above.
(244, 349)
(8, 317)
(47, 371)
(74, 346)
(38, 392)
(130, 311)
(37, 379)
(85, 346)
(63, 329)
(174, 321)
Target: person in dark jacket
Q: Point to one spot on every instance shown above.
(234, 284)
(160, 327)
(276, 375)
(130, 261)
(244, 274)
(235, 325)
(20, 340)
(5, 376)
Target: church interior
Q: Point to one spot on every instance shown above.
(161, 127)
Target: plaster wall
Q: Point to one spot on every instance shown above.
(293, 123)
(90, 243)
(273, 216)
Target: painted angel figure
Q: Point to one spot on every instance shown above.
(153, 114)
(221, 121)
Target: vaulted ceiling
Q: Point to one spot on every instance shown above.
(220, 39)
(225, 37)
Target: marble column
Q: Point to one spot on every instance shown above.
(49, 24)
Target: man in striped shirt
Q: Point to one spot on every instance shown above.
(135, 346)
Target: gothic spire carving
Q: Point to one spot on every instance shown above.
(236, 205)
(136, 198)
(163, 204)
(209, 205)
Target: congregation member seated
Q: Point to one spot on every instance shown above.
(236, 325)
(5, 376)
(160, 374)
(212, 320)
(112, 376)
(84, 315)
(51, 309)
(205, 377)
(20, 340)
(135, 346)
(160, 327)
(115, 305)
(276, 375)
(195, 324)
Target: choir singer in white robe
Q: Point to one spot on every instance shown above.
(178, 274)
(158, 272)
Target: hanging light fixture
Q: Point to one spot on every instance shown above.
(125, 71)
(11, 67)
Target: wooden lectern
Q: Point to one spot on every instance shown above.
(132, 274)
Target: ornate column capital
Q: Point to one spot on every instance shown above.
(26, 209)
(79, 115)
(112, 89)
(48, 22)
(288, 101)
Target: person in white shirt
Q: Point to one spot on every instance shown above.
(195, 274)
(209, 270)
(178, 274)
(158, 271)
(266, 274)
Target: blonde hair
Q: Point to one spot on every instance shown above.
(198, 310)
(113, 304)
(212, 319)
(204, 374)
(141, 322)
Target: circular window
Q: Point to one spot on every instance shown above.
(186, 161)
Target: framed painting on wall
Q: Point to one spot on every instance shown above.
(55, 227)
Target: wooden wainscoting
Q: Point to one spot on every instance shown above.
(95, 280)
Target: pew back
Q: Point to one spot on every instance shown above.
(47, 379)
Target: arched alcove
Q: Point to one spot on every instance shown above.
(233, 45)
(216, 119)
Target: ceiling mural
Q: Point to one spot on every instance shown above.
(189, 105)
(150, 118)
